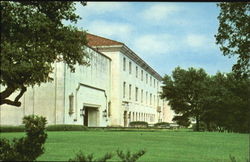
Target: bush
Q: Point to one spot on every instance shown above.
(80, 157)
(138, 124)
(66, 127)
(162, 125)
(128, 157)
(26, 148)
(8, 128)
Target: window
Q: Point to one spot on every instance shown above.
(136, 94)
(141, 96)
(141, 75)
(157, 100)
(124, 64)
(150, 99)
(124, 89)
(136, 69)
(154, 101)
(130, 86)
(150, 80)
(146, 97)
(147, 78)
(71, 103)
(130, 67)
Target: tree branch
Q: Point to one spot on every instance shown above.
(5, 94)
(9, 102)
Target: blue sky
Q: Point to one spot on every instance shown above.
(164, 34)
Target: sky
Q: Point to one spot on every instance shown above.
(164, 34)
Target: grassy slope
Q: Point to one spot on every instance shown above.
(160, 146)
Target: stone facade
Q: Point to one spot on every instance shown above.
(118, 87)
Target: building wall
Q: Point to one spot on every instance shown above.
(46, 100)
(89, 85)
(125, 108)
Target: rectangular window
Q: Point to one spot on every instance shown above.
(147, 78)
(146, 97)
(71, 103)
(130, 86)
(141, 96)
(136, 94)
(150, 99)
(154, 101)
(150, 80)
(141, 75)
(136, 71)
(124, 89)
(124, 64)
(130, 67)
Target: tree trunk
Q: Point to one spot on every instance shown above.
(197, 123)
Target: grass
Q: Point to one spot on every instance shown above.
(182, 146)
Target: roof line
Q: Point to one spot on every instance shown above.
(106, 38)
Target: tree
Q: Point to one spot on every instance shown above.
(185, 91)
(233, 34)
(227, 103)
(33, 38)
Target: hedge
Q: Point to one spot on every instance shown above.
(138, 124)
(66, 127)
(162, 125)
(9, 128)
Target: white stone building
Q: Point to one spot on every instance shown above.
(118, 87)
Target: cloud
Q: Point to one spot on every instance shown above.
(200, 41)
(98, 8)
(120, 31)
(159, 12)
(155, 44)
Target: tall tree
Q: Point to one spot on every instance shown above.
(227, 103)
(33, 38)
(185, 90)
(233, 34)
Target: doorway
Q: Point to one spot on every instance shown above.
(91, 117)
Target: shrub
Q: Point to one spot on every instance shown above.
(26, 148)
(8, 128)
(162, 125)
(138, 124)
(128, 157)
(66, 127)
(80, 157)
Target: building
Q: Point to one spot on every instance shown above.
(118, 87)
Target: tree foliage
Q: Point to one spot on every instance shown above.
(234, 34)
(227, 103)
(33, 38)
(26, 148)
(217, 102)
(185, 91)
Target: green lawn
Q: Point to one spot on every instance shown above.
(160, 145)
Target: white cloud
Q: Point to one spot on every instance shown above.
(160, 12)
(98, 8)
(121, 31)
(200, 41)
(155, 44)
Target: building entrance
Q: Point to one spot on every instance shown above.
(91, 117)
